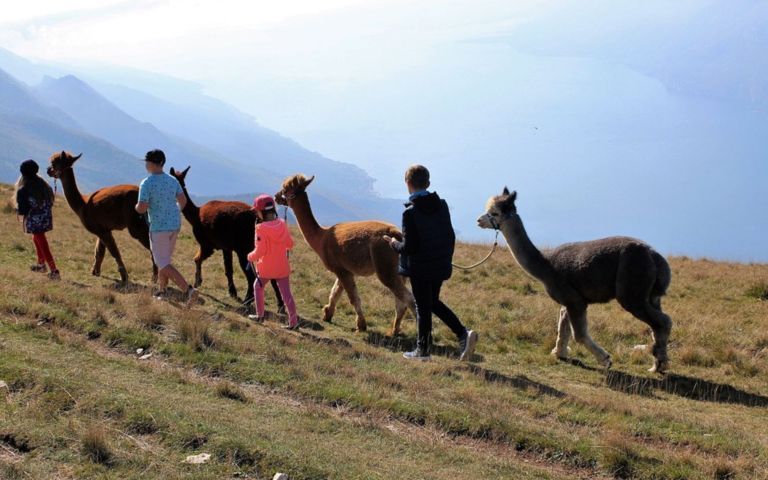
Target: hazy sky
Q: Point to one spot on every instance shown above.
(610, 117)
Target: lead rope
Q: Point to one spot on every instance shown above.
(55, 185)
(475, 265)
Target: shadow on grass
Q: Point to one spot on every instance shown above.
(119, 286)
(518, 381)
(684, 386)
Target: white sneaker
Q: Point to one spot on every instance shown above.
(192, 296)
(417, 355)
(469, 346)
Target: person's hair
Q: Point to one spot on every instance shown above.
(37, 188)
(269, 214)
(155, 156)
(418, 176)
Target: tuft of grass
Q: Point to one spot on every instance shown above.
(129, 338)
(194, 331)
(150, 317)
(758, 291)
(94, 445)
(142, 423)
(231, 391)
(619, 459)
(237, 453)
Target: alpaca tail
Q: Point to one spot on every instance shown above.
(663, 274)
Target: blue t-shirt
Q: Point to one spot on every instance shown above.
(159, 191)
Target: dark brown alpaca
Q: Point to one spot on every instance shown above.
(225, 226)
(106, 209)
(576, 275)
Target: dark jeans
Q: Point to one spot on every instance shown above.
(427, 295)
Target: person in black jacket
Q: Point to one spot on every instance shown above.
(426, 252)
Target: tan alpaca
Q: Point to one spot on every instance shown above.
(348, 249)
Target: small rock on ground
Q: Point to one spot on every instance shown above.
(198, 459)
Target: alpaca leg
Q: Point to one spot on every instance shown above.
(348, 282)
(563, 335)
(203, 253)
(227, 254)
(403, 301)
(140, 231)
(330, 309)
(98, 257)
(661, 326)
(109, 241)
(385, 263)
(635, 280)
(578, 317)
(249, 275)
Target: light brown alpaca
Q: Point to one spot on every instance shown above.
(106, 209)
(349, 249)
(576, 275)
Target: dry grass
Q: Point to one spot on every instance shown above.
(329, 403)
(95, 446)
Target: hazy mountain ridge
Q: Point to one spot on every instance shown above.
(230, 154)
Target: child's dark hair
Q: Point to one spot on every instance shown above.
(417, 176)
(269, 214)
(35, 185)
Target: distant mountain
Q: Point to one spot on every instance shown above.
(238, 136)
(231, 154)
(31, 129)
(100, 117)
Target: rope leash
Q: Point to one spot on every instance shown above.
(475, 265)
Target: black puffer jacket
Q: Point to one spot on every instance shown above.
(428, 239)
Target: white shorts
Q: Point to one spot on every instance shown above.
(162, 245)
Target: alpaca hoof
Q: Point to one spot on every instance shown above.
(232, 292)
(95, 272)
(561, 355)
(607, 363)
(361, 328)
(327, 314)
(198, 282)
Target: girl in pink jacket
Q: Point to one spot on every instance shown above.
(270, 259)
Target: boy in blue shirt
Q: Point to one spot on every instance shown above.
(161, 197)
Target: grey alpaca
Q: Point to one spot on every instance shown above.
(576, 275)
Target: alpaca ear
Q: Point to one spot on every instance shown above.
(505, 191)
(74, 159)
(172, 171)
(184, 173)
(309, 181)
(513, 195)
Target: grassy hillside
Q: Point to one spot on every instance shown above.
(329, 403)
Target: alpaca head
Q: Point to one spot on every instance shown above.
(59, 162)
(291, 187)
(498, 208)
(180, 176)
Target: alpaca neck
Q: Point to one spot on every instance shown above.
(524, 251)
(190, 211)
(310, 229)
(71, 192)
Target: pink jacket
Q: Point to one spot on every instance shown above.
(270, 255)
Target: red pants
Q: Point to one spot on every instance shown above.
(43, 251)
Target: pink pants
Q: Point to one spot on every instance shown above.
(284, 284)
